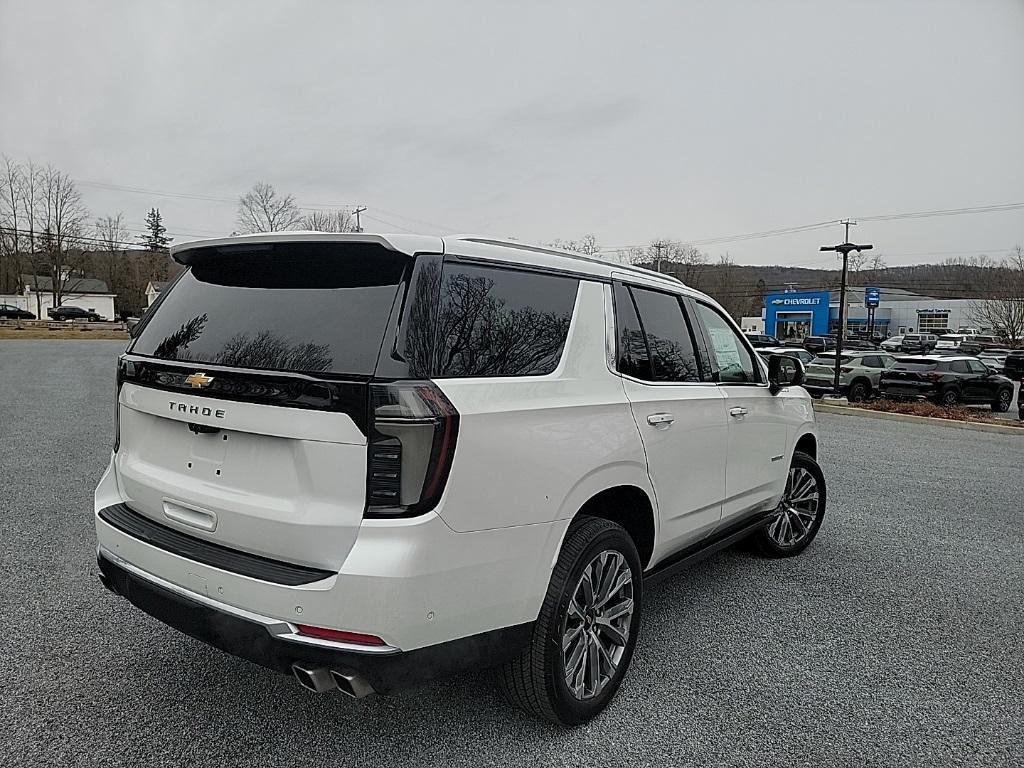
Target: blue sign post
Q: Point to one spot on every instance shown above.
(872, 297)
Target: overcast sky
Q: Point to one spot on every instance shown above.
(692, 120)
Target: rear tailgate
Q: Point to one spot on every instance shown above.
(243, 401)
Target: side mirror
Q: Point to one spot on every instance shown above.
(784, 371)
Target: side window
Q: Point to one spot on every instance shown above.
(501, 322)
(631, 355)
(871, 361)
(977, 366)
(669, 339)
(958, 366)
(732, 359)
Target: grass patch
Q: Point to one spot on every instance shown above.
(71, 332)
(932, 411)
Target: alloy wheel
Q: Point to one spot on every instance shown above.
(1005, 397)
(597, 624)
(794, 518)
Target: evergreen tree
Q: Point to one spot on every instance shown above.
(155, 239)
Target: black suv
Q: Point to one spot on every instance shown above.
(1013, 366)
(947, 381)
(8, 312)
(762, 340)
(819, 344)
(74, 313)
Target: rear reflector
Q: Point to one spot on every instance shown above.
(339, 635)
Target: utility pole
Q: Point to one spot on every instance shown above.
(359, 209)
(657, 261)
(844, 248)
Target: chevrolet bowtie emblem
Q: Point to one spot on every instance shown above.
(198, 379)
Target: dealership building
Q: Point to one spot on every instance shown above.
(796, 314)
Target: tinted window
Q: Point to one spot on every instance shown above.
(958, 366)
(733, 362)
(314, 307)
(632, 357)
(668, 336)
(910, 364)
(501, 322)
(977, 366)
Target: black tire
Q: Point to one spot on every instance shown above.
(860, 390)
(535, 681)
(1003, 400)
(764, 543)
(949, 398)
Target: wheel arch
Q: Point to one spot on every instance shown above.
(807, 443)
(630, 507)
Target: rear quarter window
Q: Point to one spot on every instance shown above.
(501, 322)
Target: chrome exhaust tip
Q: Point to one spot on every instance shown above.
(316, 679)
(351, 684)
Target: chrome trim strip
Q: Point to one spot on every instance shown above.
(275, 627)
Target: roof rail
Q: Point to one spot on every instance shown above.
(567, 254)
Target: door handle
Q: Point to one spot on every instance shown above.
(659, 419)
(738, 412)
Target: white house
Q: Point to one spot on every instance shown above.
(84, 292)
(153, 289)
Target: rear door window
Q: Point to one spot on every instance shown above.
(669, 338)
(305, 307)
(959, 366)
(502, 322)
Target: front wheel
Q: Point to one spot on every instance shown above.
(794, 523)
(584, 637)
(1002, 402)
(949, 398)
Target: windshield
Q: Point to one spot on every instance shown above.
(311, 307)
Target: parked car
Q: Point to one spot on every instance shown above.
(856, 343)
(919, 342)
(1013, 366)
(950, 341)
(74, 313)
(859, 373)
(994, 359)
(762, 340)
(947, 381)
(892, 344)
(800, 354)
(11, 312)
(818, 344)
(334, 500)
(973, 345)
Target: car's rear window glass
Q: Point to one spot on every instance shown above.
(502, 322)
(830, 359)
(669, 337)
(308, 307)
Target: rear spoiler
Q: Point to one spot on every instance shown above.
(196, 251)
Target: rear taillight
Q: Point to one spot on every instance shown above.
(846, 369)
(122, 365)
(413, 428)
(931, 376)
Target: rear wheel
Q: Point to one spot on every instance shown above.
(1002, 402)
(949, 398)
(584, 637)
(859, 391)
(795, 521)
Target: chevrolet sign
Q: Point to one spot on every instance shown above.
(804, 301)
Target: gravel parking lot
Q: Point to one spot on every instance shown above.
(896, 639)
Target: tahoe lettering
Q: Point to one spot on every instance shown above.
(197, 410)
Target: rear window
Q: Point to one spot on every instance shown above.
(830, 359)
(306, 307)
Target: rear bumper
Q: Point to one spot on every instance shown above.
(264, 641)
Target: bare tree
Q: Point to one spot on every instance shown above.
(329, 221)
(12, 239)
(1003, 307)
(63, 217)
(673, 257)
(263, 209)
(587, 245)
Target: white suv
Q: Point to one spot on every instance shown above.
(369, 460)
